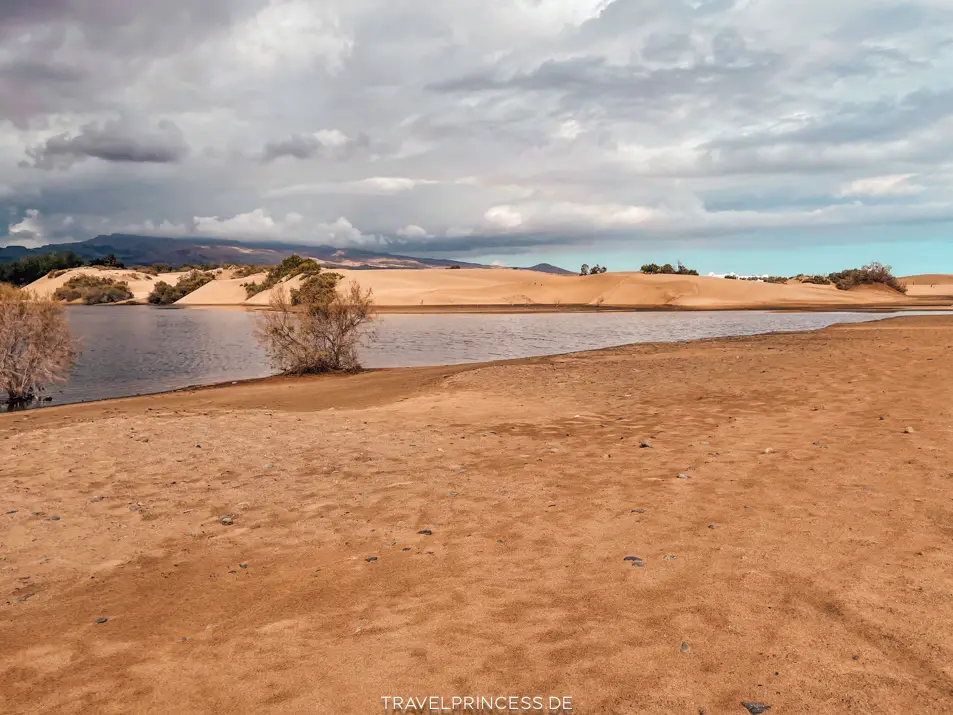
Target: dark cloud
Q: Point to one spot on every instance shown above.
(112, 141)
(514, 123)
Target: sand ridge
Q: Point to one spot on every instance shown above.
(804, 562)
(506, 287)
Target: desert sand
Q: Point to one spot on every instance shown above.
(415, 289)
(930, 285)
(802, 560)
(140, 284)
(471, 289)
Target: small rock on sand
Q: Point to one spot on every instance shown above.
(684, 647)
(645, 444)
(425, 532)
(226, 519)
(102, 620)
(909, 430)
(683, 476)
(638, 511)
(755, 708)
(371, 559)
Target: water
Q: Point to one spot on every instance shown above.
(140, 350)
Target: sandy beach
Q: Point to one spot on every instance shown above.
(481, 290)
(464, 531)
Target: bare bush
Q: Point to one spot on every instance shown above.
(36, 346)
(321, 335)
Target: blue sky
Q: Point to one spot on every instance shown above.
(752, 135)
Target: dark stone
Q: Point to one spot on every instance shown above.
(645, 444)
(406, 548)
(684, 647)
(97, 499)
(638, 511)
(243, 566)
(632, 558)
(101, 620)
(684, 476)
(226, 519)
(425, 532)
(54, 518)
(12, 511)
(755, 708)
(371, 559)
(134, 507)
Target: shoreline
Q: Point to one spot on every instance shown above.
(681, 511)
(517, 309)
(279, 380)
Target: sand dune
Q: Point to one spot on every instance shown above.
(929, 285)
(141, 284)
(502, 287)
(409, 289)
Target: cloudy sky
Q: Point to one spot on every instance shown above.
(763, 135)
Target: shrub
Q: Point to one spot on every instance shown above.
(584, 271)
(651, 268)
(683, 271)
(668, 269)
(30, 268)
(320, 336)
(776, 279)
(109, 261)
(36, 347)
(246, 271)
(93, 290)
(293, 265)
(165, 294)
(867, 275)
(731, 277)
(317, 288)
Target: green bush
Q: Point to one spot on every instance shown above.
(28, 269)
(293, 265)
(866, 275)
(93, 290)
(165, 294)
(316, 289)
(651, 268)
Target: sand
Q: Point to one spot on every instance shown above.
(482, 289)
(140, 284)
(423, 289)
(805, 563)
(930, 286)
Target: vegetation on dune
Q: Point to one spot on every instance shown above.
(594, 271)
(107, 261)
(322, 333)
(93, 290)
(247, 271)
(668, 269)
(867, 275)
(318, 288)
(36, 346)
(165, 294)
(293, 265)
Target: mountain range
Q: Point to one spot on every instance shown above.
(147, 250)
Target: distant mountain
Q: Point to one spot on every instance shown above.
(549, 268)
(146, 250)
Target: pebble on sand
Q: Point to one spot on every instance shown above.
(645, 444)
(102, 620)
(425, 532)
(371, 559)
(683, 476)
(755, 708)
(909, 430)
(227, 519)
(684, 647)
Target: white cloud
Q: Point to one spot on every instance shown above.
(412, 231)
(28, 231)
(895, 185)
